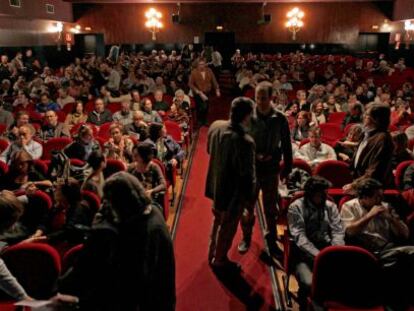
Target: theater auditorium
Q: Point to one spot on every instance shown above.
(206, 155)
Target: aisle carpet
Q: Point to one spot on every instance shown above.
(198, 288)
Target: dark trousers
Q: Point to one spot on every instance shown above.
(268, 183)
(201, 110)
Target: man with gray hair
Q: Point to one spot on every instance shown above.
(270, 131)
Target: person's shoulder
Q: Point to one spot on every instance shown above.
(219, 124)
(349, 205)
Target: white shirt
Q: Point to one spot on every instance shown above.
(314, 156)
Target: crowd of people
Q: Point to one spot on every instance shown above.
(118, 109)
(296, 95)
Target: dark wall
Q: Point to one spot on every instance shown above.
(28, 25)
(403, 9)
(337, 23)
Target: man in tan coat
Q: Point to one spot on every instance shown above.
(202, 83)
(231, 178)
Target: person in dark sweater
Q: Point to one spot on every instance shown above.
(127, 263)
(99, 115)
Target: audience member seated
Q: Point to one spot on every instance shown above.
(315, 151)
(346, 147)
(10, 210)
(182, 100)
(64, 98)
(131, 243)
(22, 101)
(6, 117)
(318, 113)
(302, 127)
(99, 115)
(46, 104)
(138, 127)
(375, 225)
(354, 115)
(95, 180)
(123, 116)
(148, 173)
(83, 145)
(159, 104)
(314, 223)
(150, 115)
(22, 174)
(52, 128)
(401, 114)
(22, 118)
(168, 150)
(76, 212)
(23, 142)
(331, 105)
(179, 116)
(136, 100)
(400, 152)
(77, 115)
(119, 146)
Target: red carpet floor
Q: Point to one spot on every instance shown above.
(198, 288)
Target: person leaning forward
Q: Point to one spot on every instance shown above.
(270, 131)
(231, 178)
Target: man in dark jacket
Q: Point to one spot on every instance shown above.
(270, 131)
(231, 178)
(99, 115)
(127, 263)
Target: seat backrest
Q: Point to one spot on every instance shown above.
(347, 275)
(41, 167)
(113, 166)
(4, 168)
(54, 144)
(3, 145)
(331, 132)
(337, 172)
(299, 163)
(399, 172)
(70, 257)
(104, 130)
(93, 200)
(3, 128)
(36, 266)
(174, 130)
(337, 117)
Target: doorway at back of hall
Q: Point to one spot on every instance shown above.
(225, 42)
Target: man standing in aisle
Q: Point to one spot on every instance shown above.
(202, 82)
(230, 180)
(270, 131)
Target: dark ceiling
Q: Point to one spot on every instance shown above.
(216, 1)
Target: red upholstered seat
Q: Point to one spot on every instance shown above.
(113, 166)
(399, 173)
(41, 166)
(70, 257)
(104, 130)
(74, 130)
(68, 108)
(330, 133)
(3, 144)
(336, 117)
(93, 200)
(337, 172)
(113, 107)
(357, 284)
(54, 144)
(36, 266)
(4, 168)
(3, 128)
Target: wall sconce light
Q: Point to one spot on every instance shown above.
(408, 25)
(219, 28)
(294, 23)
(57, 28)
(153, 22)
(386, 27)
